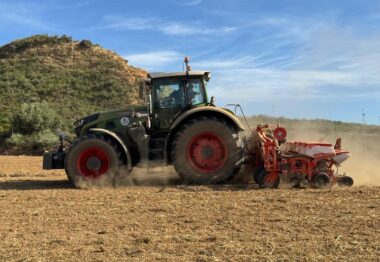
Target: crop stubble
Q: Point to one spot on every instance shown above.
(42, 218)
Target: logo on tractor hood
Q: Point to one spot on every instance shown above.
(124, 121)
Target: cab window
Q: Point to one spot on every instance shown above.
(169, 94)
(195, 92)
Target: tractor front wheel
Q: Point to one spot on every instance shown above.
(92, 161)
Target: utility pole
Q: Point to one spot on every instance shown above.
(273, 111)
(329, 113)
(363, 117)
(12, 108)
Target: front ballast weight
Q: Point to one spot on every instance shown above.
(313, 163)
(56, 159)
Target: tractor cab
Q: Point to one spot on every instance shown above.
(169, 94)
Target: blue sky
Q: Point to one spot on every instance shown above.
(310, 59)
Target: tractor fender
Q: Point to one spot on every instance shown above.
(119, 141)
(226, 115)
(209, 110)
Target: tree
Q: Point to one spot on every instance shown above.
(35, 117)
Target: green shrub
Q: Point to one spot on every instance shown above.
(32, 144)
(85, 44)
(35, 117)
(4, 123)
(34, 126)
(44, 140)
(15, 141)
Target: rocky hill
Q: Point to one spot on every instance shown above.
(75, 78)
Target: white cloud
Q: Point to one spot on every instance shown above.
(154, 60)
(218, 64)
(271, 21)
(165, 27)
(130, 23)
(173, 28)
(190, 3)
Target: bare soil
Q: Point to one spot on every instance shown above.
(44, 219)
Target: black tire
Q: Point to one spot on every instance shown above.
(68, 176)
(321, 180)
(93, 161)
(345, 181)
(207, 151)
(263, 182)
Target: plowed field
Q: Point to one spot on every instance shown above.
(44, 219)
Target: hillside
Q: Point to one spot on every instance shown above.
(74, 77)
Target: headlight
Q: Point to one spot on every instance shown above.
(85, 120)
(79, 122)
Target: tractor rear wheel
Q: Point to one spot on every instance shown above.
(93, 161)
(207, 151)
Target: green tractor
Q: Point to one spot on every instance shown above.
(177, 126)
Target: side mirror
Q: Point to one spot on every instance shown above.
(142, 89)
(212, 101)
(207, 76)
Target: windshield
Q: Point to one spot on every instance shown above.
(170, 93)
(195, 92)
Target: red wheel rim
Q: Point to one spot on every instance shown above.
(207, 152)
(280, 133)
(93, 162)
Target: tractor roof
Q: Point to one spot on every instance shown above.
(173, 74)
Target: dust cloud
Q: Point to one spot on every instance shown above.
(155, 176)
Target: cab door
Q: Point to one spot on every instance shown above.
(169, 101)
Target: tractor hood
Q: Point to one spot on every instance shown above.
(124, 112)
(118, 119)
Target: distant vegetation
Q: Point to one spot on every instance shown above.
(33, 128)
(320, 126)
(69, 79)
